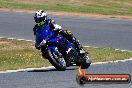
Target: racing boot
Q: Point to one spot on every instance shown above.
(82, 53)
(80, 49)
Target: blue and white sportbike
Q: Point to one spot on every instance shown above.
(58, 50)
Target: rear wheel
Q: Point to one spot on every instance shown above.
(57, 60)
(84, 61)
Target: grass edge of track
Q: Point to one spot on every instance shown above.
(21, 54)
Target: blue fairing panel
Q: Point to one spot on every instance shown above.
(42, 33)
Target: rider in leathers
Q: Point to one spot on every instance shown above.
(41, 19)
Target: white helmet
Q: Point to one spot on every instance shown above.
(40, 16)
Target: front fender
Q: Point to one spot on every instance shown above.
(53, 49)
(44, 50)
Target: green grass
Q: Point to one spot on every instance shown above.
(108, 54)
(16, 54)
(106, 7)
(19, 54)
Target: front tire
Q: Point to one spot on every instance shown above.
(57, 60)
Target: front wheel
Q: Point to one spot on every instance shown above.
(57, 60)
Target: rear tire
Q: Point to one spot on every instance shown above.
(85, 61)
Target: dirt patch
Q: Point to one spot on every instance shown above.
(12, 44)
(70, 13)
(3, 42)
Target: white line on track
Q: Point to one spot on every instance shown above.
(52, 67)
(112, 61)
(33, 41)
(27, 69)
(16, 39)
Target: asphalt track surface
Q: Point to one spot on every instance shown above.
(90, 31)
(116, 33)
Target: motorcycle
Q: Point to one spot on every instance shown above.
(60, 52)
